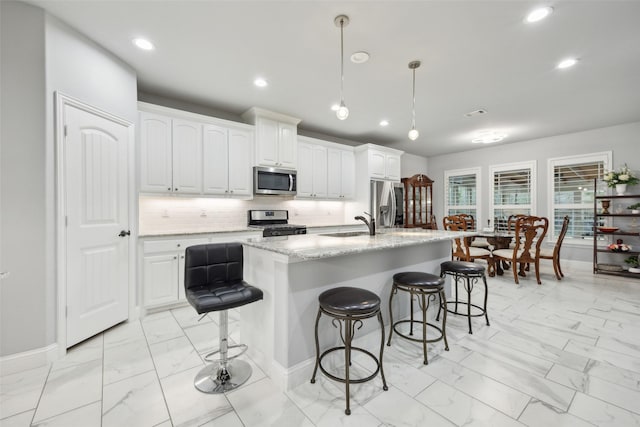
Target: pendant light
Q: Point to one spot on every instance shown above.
(342, 21)
(413, 133)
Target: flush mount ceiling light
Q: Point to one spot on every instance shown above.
(342, 21)
(413, 133)
(539, 14)
(143, 44)
(488, 136)
(260, 82)
(360, 57)
(567, 63)
(384, 123)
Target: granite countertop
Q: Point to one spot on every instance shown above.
(178, 233)
(317, 246)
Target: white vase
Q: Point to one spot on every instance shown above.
(620, 189)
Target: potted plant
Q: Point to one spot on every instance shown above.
(634, 264)
(620, 179)
(635, 208)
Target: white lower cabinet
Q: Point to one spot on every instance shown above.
(163, 263)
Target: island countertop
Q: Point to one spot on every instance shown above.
(317, 246)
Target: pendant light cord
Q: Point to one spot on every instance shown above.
(413, 120)
(341, 61)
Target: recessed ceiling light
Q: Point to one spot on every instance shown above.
(384, 123)
(260, 82)
(488, 136)
(143, 44)
(539, 14)
(335, 107)
(360, 57)
(567, 63)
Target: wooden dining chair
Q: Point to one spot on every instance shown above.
(554, 254)
(529, 235)
(461, 247)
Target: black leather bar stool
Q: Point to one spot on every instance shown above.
(469, 273)
(426, 287)
(213, 281)
(349, 306)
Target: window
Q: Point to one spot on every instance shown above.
(571, 193)
(512, 191)
(462, 193)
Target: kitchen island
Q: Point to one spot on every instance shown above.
(293, 270)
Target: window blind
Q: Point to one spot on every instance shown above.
(461, 194)
(573, 195)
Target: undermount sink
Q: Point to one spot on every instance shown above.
(347, 234)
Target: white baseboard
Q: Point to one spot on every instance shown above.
(26, 360)
(287, 379)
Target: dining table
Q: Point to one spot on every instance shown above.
(499, 240)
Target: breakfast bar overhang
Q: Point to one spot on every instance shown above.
(292, 271)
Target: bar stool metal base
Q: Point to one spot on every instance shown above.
(214, 379)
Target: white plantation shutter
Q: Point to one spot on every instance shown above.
(573, 193)
(512, 192)
(462, 192)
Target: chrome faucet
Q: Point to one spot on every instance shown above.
(371, 224)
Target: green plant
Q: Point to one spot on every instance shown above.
(633, 261)
(621, 176)
(634, 206)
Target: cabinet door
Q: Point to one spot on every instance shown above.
(267, 142)
(348, 176)
(287, 145)
(187, 157)
(319, 171)
(305, 170)
(215, 161)
(155, 153)
(392, 167)
(240, 142)
(334, 173)
(160, 279)
(377, 163)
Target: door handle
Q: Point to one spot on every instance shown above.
(124, 233)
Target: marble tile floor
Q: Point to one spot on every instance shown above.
(560, 354)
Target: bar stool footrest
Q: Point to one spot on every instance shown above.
(351, 381)
(419, 323)
(243, 348)
(450, 303)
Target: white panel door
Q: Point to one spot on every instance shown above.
(240, 142)
(187, 157)
(319, 171)
(377, 162)
(267, 142)
(96, 176)
(155, 153)
(161, 279)
(393, 167)
(348, 177)
(216, 164)
(305, 170)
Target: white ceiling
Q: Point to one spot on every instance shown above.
(475, 54)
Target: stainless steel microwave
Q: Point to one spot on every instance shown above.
(274, 181)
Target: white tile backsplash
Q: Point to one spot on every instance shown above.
(190, 214)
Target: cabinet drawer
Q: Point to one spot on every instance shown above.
(159, 246)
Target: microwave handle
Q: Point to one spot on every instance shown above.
(290, 182)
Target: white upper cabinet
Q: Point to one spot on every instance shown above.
(187, 157)
(202, 155)
(170, 154)
(156, 153)
(382, 163)
(276, 138)
(227, 161)
(312, 170)
(341, 173)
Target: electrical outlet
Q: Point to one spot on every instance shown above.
(203, 213)
(165, 213)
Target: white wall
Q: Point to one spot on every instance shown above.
(23, 309)
(56, 58)
(621, 139)
(412, 165)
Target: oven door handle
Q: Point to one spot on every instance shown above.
(290, 182)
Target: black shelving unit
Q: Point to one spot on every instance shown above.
(627, 229)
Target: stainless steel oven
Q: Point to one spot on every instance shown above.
(274, 181)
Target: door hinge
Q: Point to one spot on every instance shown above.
(65, 130)
(66, 221)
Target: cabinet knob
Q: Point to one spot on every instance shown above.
(169, 188)
(178, 245)
(226, 191)
(175, 257)
(181, 256)
(175, 189)
(230, 191)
